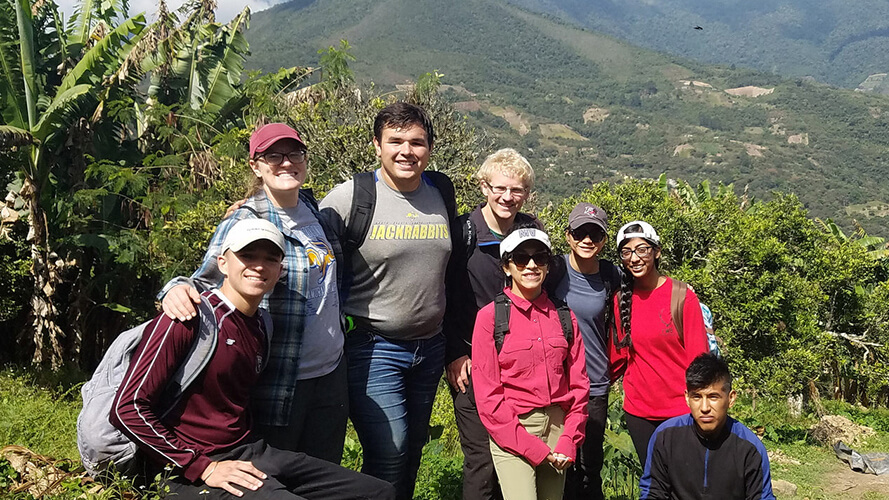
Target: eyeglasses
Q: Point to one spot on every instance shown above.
(499, 190)
(642, 251)
(275, 159)
(522, 259)
(596, 235)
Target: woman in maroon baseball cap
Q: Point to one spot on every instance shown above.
(301, 400)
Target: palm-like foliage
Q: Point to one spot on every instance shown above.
(91, 149)
(201, 63)
(44, 99)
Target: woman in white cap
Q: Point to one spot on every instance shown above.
(301, 401)
(658, 331)
(529, 374)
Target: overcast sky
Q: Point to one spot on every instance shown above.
(226, 10)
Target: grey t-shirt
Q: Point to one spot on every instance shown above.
(322, 342)
(397, 285)
(585, 294)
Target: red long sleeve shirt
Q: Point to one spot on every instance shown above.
(529, 373)
(654, 380)
(212, 413)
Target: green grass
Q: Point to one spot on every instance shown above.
(39, 415)
(39, 412)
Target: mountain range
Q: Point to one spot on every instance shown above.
(585, 106)
(834, 41)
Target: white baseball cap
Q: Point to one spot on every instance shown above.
(647, 233)
(246, 231)
(520, 236)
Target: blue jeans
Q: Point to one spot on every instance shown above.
(392, 385)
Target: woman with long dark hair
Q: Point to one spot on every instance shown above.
(658, 331)
(529, 374)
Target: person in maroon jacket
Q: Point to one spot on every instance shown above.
(207, 437)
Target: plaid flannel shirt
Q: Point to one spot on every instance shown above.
(273, 395)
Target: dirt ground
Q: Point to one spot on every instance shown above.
(843, 482)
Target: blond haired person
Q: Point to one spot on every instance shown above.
(505, 179)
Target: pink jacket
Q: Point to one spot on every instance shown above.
(535, 368)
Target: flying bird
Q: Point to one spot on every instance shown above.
(698, 28)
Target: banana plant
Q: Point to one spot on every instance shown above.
(876, 247)
(201, 63)
(688, 195)
(51, 77)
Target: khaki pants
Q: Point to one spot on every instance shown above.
(519, 480)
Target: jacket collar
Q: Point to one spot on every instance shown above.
(541, 302)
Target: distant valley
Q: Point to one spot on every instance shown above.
(586, 107)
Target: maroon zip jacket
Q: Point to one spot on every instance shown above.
(212, 414)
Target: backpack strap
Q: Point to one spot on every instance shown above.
(564, 313)
(470, 236)
(446, 188)
(502, 305)
(558, 268)
(364, 200)
(677, 303)
(201, 351)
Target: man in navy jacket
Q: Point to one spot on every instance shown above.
(706, 454)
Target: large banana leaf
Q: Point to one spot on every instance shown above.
(54, 118)
(24, 21)
(12, 99)
(104, 58)
(14, 136)
(226, 73)
(82, 21)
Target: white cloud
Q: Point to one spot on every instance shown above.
(225, 11)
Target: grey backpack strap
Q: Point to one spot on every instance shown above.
(201, 351)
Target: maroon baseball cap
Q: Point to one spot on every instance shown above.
(586, 213)
(269, 134)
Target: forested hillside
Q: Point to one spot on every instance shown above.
(586, 107)
(835, 41)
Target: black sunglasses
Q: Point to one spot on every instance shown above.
(522, 259)
(596, 235)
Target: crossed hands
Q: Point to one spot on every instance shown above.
(230, 473)
(559, 461)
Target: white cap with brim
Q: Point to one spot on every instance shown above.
(247, 231)
(647, 233)
(520, 236)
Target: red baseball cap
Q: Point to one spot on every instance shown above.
(269, 134)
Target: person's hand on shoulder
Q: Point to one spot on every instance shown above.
(179, 302)
(234, 206)
(230, 473)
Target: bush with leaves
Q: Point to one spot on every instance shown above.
(790, 300)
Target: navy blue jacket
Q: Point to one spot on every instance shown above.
(683, 465)
(474, 280)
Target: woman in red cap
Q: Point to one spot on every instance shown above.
(651, 347)
(301, 401)
(530, 381)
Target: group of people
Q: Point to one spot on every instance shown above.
(378, 290)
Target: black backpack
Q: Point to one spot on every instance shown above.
(502, 307)
(364, 201)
